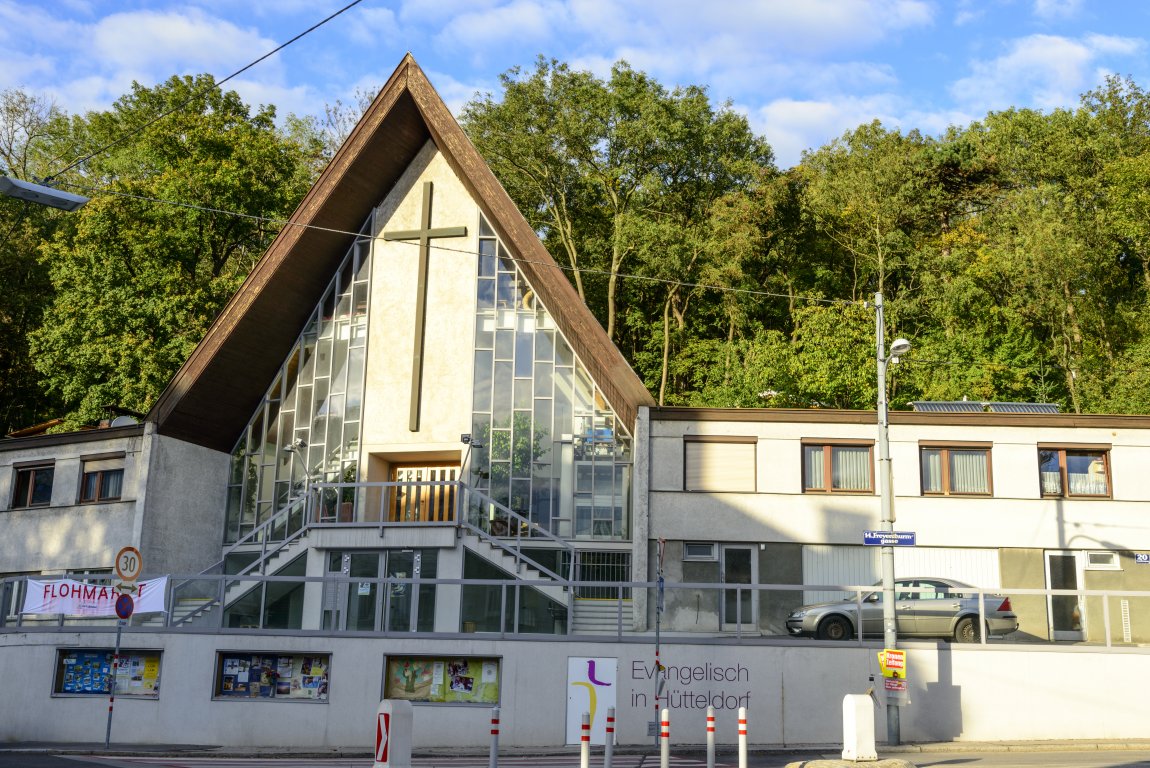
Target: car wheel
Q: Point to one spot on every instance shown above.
(966, 631)
(834, 628)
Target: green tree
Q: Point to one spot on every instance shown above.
(189, 204)
(30, 128)
(596, 164)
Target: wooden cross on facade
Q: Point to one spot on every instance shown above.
(424, 235)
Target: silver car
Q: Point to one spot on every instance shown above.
(924, 607)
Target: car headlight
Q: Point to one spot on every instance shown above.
(798, 614)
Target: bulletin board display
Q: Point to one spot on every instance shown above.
(272, 675)
(88, 672)
(443, 680)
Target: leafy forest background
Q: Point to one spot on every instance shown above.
(1014, 252)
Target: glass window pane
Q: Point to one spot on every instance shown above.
(482, 395)
(42, 485)
(1050, 472)
(113, 483)
(813, 467)
(487, 258)
(968, 472)
(850, 468)
(931, 459)
(1086, 473)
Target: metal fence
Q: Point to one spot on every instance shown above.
(694, 612)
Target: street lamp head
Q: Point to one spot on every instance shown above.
(899, 347)
(38, 193)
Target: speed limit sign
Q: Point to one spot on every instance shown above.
(129, 563)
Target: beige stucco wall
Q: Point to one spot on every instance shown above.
(447, 369)
(1016, 515)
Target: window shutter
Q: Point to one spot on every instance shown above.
(717, 466)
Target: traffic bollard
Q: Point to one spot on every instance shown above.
(742, 737)
(585, 742)
(609, 745)
(710, 737)
(493, 761)
(665, 739)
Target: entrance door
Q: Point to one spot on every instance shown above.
(351, 606)
(422, 502)
(740, 606)
(1067, 612)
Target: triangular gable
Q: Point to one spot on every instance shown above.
(214, 394)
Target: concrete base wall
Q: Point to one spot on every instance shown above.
(793, 692)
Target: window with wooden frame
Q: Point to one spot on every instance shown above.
(1074, 471)
(955, 469)
(838, 466)
(103, 479)
(33, 486)
(719, 463)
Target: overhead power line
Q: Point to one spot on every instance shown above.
(124, 137)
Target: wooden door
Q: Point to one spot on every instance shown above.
(419, 500)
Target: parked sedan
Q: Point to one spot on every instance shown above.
(924, 607)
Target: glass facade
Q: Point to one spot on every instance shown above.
(545, 442)
(307, 428)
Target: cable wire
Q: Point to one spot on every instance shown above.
(197, 95)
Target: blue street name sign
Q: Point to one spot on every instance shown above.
(889, 538)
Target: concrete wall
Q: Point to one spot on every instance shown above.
(793, 692)
(67, 535)
(184, 506)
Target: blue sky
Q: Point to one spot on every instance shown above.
(803, 71)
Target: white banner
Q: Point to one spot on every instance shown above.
(75, 598)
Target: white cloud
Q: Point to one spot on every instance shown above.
(175, 41)
(792, 126)
(522, 22)
(1043, 71)
(1056, 9)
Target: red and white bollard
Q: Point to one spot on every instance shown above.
(710, 737)
(742, 737)
(493, 761)
(585, 741)
(665, 739)
(609, 744)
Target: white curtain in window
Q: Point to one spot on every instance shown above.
(1051, 482)
(813, 467)
(851, 468)
(1090, 483)
(931, 459)
(968, 472)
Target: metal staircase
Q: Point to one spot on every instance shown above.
(483, 526)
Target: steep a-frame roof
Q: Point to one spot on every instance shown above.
(214, 394)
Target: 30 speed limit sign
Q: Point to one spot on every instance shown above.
(129, 563)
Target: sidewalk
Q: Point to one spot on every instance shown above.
(209, 750)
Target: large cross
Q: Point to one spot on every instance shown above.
(423, 235)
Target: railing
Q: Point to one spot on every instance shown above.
(695, 612)
(382, 504)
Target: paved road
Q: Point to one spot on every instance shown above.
(956, 759)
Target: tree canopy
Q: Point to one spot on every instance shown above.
(1014, 252)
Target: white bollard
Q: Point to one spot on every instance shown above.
(393, 734)
(665, 739)
(609, 745)
(710, 737)
(742, 737)
(858, 727)
(493, 760)
(585, 742)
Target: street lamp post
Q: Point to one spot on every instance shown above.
(889, 622)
